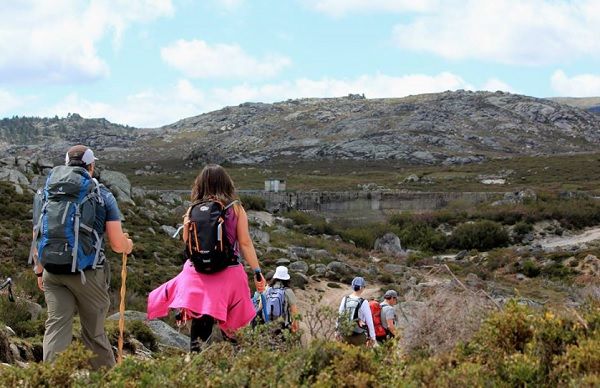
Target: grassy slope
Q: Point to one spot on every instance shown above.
(548, 173)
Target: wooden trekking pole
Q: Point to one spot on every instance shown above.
(122, 308)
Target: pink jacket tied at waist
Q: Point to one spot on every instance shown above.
(224, 295)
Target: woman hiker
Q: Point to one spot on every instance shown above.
(216, 292)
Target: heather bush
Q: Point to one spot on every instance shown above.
(515, 346)
(252, 202)
(480, 235)
(530, 268)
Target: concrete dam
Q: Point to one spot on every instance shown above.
(361, 205)
(372, 205)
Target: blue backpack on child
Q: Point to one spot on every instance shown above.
(276, 305)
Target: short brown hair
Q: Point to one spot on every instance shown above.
(213, 182)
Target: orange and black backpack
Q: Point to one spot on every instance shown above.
(207, 246)
(376, 313)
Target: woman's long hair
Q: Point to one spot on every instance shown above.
(213, 183)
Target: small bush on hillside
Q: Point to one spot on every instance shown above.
(423, 237)
(133, 329)
(252, 202)
(366, 235)
(530, 269)
(498, 258)
(521, 229)
(556, 271)
(299, 217)
(13, 313)
(480, 235)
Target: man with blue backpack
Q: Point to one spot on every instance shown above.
(72, 214)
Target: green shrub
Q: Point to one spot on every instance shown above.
(480, 235)
(498, 258)
(505, 332)
(365, 235)
(515, 346)
(14, 313)
(556, 271)
(530, 269)
(142, 332)
(253, 202)
(133, 329)
(579, 363)
(420, 235)
(521, 229)
(30, 328)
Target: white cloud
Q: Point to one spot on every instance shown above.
(10, 102)
(339, 8)
(373, 86)
(55, 41)
(581, 85)
(198, 59)
(147, 108)
(494, 84)
(530, 32)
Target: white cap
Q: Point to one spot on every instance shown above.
(80, 152)
(281, 273)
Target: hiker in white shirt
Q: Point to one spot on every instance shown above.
(353, 306)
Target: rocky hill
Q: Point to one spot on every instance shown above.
(50, 137)
(450, 127)
(591, 104)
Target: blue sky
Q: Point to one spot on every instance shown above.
(148, 63)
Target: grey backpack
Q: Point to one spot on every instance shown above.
(351, 308)
(64, 229)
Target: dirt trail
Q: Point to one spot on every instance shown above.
(330, 297)
(559, 241)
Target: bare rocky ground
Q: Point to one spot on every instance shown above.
(587, 236)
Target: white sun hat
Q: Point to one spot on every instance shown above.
(281, 273)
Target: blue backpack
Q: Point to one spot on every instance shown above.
(64, 233)
(276, 306)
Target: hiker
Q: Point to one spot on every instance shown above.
(280, 300)
(388, 315)
(68, 254)
(213, 285)
(353, 308)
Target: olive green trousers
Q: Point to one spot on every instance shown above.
(66, 294)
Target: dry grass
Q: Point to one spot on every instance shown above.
(449, 316)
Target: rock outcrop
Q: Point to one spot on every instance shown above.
(450, 128)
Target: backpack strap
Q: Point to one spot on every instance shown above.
(360, 302)
(36, 233)
(93, 195)
(230, 204)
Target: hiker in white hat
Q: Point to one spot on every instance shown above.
(281, 300)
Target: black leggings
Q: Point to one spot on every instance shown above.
(200, 331)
